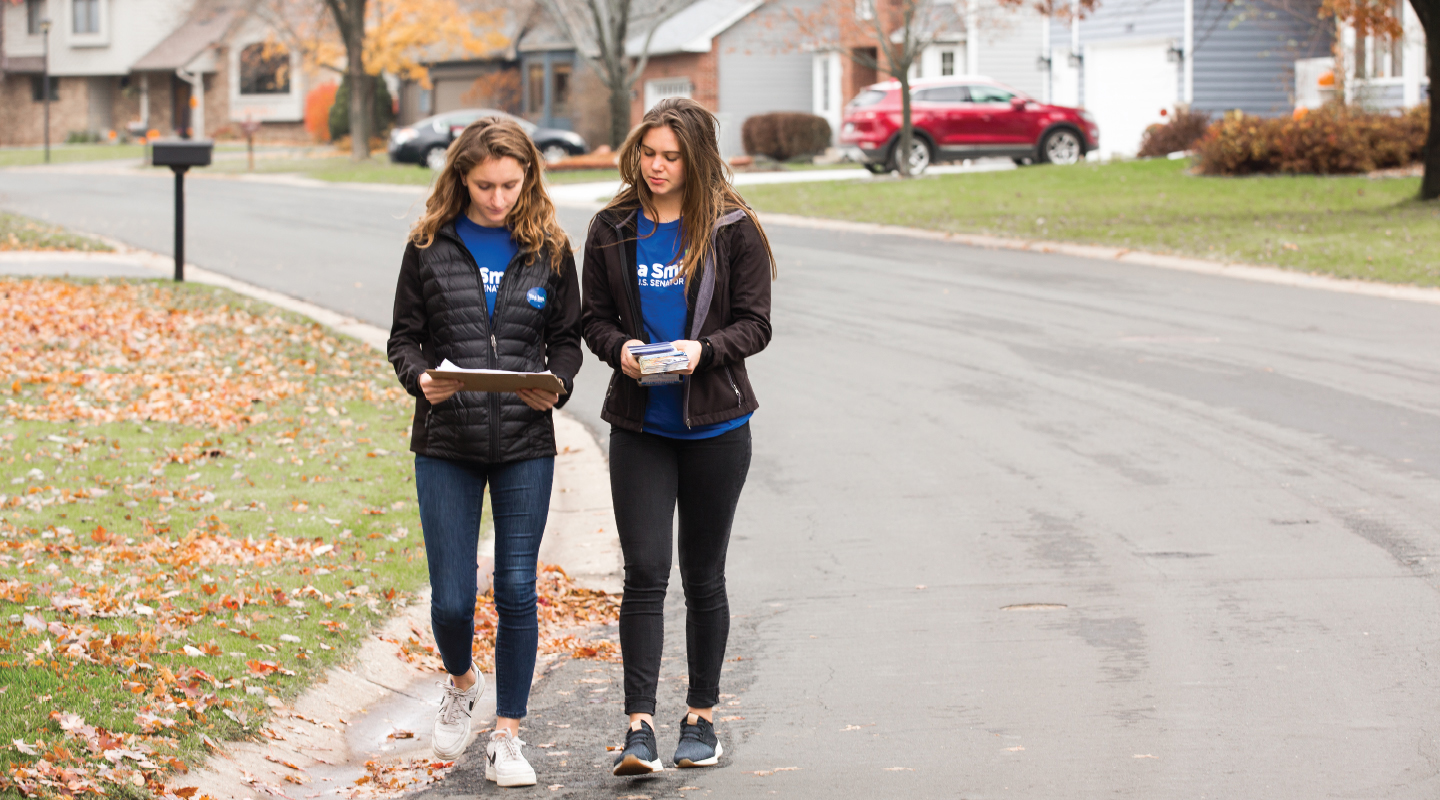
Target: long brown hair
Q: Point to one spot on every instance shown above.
(707, 194)
(532, 221)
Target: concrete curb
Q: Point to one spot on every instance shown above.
(1248, 272)
(349, 714)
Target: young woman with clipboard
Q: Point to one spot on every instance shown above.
(677, 257)
(487, 281)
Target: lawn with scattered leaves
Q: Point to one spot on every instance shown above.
(1348, 226)
(23, 233)
(206, 502)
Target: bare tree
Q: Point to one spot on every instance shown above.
(900, 31)
(601, 31)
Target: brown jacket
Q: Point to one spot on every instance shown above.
(728, 309)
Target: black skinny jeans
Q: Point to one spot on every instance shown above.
(649, 476)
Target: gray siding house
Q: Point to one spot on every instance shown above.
(1131, 63)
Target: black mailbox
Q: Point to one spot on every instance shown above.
(181, 153)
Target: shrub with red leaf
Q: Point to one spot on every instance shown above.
(1334, 139)
(317, 110)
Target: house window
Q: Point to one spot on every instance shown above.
(85, 16)
(865, 9)
(947, 62)
(264, 69)
(34, 12)
(37, 88)
(664, 89)
(560, 90)
(535, 89)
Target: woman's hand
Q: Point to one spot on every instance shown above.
(438, 391)
(691, 349)
(628, 364)
(538, 399)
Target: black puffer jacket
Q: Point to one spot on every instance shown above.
(440, 313)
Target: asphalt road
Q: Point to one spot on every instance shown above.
(1223, 493)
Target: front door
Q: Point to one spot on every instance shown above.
(180, 106)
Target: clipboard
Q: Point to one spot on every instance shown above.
(497, 380)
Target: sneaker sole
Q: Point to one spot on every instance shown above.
(686, 763)
(633, 765)
(511, 781)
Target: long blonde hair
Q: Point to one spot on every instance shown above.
(532, 221)
(707, 194)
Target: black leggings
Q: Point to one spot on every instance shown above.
(649, 476)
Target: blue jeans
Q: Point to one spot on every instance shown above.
(450, 495)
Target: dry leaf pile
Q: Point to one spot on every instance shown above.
(134, 352)
(569, 617)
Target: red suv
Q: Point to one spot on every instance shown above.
(964, 117)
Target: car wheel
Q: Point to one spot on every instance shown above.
(919, 156)
(435, 158)
(876, 168)
(553, 153)
(1061, 146)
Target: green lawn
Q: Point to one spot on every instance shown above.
(204, 503)
(334, 168)
(68, 153)
(379, 169)
(1351, 227)
(23, 233)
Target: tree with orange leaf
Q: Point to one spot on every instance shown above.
(361, 40)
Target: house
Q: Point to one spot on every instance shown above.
(1132, 62)
(1377, 73)
(183, 67)
(745, 57)
(460, 79)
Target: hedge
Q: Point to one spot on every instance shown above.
(785, 135)
(1181, 133)
(1333, 139)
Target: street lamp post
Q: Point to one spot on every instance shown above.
(45, 83)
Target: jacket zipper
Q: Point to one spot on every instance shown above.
(494, 360)
(739, 401)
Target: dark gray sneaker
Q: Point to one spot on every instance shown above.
(640, 756)
(698, 745)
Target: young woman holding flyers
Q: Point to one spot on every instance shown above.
(487, 281)
(676, 257)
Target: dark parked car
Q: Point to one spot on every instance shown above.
(426, 141)
(964, 117)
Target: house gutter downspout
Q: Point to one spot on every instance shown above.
(1187, 56)
(972, 38)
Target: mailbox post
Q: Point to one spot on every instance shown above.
(180, 155)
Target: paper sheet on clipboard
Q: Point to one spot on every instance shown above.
(497, 380)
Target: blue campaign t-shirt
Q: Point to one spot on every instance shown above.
(658, 255)
(492, 248)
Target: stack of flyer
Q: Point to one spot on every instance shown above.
(657, 362)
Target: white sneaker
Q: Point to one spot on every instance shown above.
(452, 721)
(504, 762)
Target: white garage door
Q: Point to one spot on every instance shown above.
(1126, 88)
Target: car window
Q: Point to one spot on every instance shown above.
(869, 97)
(943, 94)
(990, 94)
